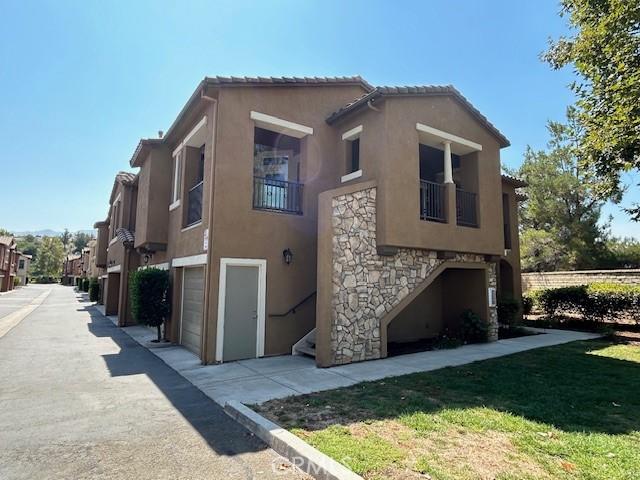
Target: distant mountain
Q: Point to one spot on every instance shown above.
(47, 232)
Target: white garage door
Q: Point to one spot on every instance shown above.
(192, 308)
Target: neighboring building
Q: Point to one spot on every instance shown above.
(8, 262)
(321, 215)
(115, 244)
(72, 269)
(23, 268)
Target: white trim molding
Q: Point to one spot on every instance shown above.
(353, 133)
(189, 261)
(262, 291)
(113, 240)
(280, 125)
(459, 145)
(189, 136)
(351, 176)
(198, 224)
(174, 205)
(114, 269)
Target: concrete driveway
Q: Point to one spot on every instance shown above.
(80, 399)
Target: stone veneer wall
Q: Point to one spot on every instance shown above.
(535, 280)
(367, 286)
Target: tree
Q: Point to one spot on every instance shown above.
(29, 245)
(65, 237)
(560, 218)
(5, 233)
(48, 265)
(605, 53)
(80, 241)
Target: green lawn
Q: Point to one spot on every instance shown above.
(571, 411)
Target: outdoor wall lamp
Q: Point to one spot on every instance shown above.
(287, 255)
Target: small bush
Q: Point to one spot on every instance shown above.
(508, 309)
(527, 305)
(474, 329)
(16, 281)
(85, 284)
(149, 289)
(94, 290)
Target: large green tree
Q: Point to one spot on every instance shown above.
(80, 241)
(604, 51)
(561, 217)
(50, 257)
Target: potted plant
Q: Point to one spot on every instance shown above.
(149, 289)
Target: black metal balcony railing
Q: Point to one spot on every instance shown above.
(194, 210)
(432, 201)
(466, 211)
(279, 195)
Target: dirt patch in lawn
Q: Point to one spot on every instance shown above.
(482, 456)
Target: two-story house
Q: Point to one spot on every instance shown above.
(320, 215)
(22, 273)
(8, 262)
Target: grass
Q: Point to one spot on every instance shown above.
(567, 412)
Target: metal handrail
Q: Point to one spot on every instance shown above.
(466, 208)
(293, 309)
(278, 195)
(432, 201)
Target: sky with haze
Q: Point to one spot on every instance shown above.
(82, 82)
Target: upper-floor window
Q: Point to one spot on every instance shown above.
(177, 177)
(351, 139)
(115, 218)
(194, 176)
(506, 221)
(276, 172)
(21, 264)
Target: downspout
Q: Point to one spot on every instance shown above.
(209, 269)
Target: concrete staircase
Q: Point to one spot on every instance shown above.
(306, 345)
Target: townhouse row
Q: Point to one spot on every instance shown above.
(13, 264)
(320, 216)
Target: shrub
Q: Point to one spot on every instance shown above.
(474, 329)
(149, 289)
(527, 305)
(85, 284)
(596, 302)
(16, 281)
(94, 290)
(508, 309)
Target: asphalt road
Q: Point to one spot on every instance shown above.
(79, 399)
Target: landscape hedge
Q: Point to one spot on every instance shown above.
(596, 302)
(94, 289)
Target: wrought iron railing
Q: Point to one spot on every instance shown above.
(194, 209)
(466, 209)
(432, 201)
(279, 195)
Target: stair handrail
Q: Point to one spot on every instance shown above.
(293, 309)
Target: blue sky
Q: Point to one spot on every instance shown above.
(81, 82)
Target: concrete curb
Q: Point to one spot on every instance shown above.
(297, 451)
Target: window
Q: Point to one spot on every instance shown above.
(115, 218)
(506, 221)
(21, 264)
(354, 147)
(194, 175)
(276, 171)
(177, 177)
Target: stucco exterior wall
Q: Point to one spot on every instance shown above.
(240, 231)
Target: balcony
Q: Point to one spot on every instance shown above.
(466, 210)
(194, 210)
(277, 195)
(432, 201)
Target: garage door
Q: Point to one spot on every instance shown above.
(192, 308)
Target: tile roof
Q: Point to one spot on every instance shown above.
(515, 182)
(126, 178)
(125, 236)
(266, 81)
(6, 240)
(420, 90)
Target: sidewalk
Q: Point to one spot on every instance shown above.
(261, 379)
